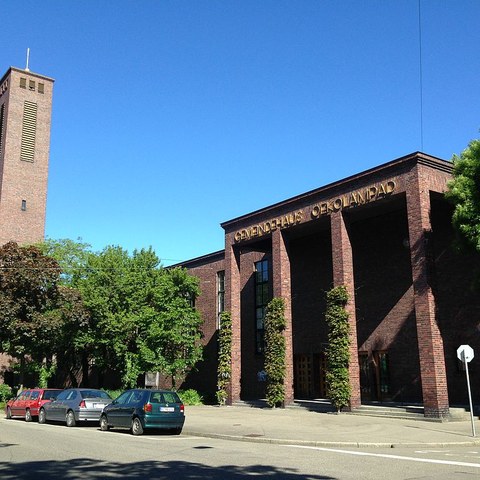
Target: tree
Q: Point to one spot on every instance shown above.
(72, 257)
(275, 364)
(464, 193)
(142, 316)
(338, 351)
(35, 316)
(170, 342)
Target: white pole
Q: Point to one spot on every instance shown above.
(28, 60)
(469, 395)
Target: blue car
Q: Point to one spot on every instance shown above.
(139, 409)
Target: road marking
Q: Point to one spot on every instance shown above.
(394, 457)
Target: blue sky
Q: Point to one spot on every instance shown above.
(170, 117)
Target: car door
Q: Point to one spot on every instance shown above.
(133, 402)
(114, 410)
(32, 402)
(18, 406)
(54, 409)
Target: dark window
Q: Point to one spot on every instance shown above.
(23, 82)
(220, 295)
(2, 115)
(123, 397)
(35, 394)
(50, 394)
(262, 297)
(41, 88)
(31, 85)
(24, 205)
(63, 395)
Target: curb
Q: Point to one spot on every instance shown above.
(323, 444)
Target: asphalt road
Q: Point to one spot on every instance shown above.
(33, 451)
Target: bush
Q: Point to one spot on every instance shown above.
(224, 369)
(6, 392)
(338, 350)
(275, 363)
(114, 393)
(190, 397)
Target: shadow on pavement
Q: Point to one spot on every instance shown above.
(85, 468)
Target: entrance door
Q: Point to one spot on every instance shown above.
(374, 376)
(310, 375)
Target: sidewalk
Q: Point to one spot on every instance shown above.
(302, 427)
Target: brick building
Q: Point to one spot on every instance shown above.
(384, 233)
(25, 118)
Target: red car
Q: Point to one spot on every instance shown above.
(27, 403)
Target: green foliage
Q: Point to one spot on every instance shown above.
(72, 256)
(338, 350)
(464, 193)
(190, 397)
(224, 369)
(142, 316)
(39, 317)
(114, 393)
(275, 363)
(6, 392)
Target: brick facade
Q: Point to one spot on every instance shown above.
(23, 179)
(386, 235)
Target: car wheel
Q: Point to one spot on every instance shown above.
(104, 423)
(9, 413)
(28, 416)
(42, 417)
(137, 428)
(70, 419)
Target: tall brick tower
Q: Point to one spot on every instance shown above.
(25, 117)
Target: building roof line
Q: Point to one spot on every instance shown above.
(419, 157)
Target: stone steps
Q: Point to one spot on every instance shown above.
(390, 410)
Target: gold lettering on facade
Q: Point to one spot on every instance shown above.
(269, 226)
(359, 197)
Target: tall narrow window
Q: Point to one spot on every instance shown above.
(220, 295)
(2, 116)
(23, 82)
(29, 127)
(24, 205)
(262, 297)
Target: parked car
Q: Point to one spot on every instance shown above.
(27, 403)
(75, 405)
(139, 409)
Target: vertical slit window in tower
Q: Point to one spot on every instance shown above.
(24, 205)
(29, 127)
(2, 115)
(23, 82)
(41, 88)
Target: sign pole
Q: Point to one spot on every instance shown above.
(469, 397)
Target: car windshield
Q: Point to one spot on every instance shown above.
(49, 394)
(95, 394)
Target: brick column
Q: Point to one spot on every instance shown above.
(342, 258)
(232, 304)
(282, 288)
(430, 343)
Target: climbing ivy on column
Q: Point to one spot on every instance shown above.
(224, 370)
(338, 350)
(275, 352)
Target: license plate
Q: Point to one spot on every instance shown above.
(167, 409)
(98, 405)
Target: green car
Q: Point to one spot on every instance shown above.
(139, 409)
